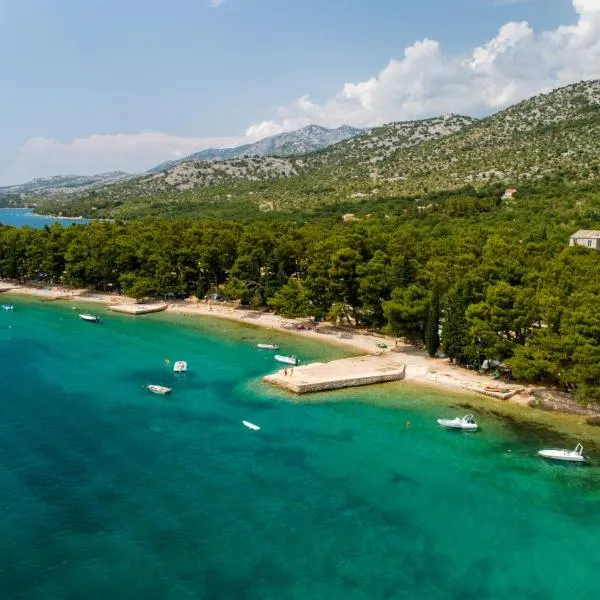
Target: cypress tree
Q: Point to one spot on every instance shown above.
(432, 336)
(454, 332)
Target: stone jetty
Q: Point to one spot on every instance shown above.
(337, 374)
(138, 309)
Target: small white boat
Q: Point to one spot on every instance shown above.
(575, 455)
(466, 423)
(251, 425)
(267, 346)
(89, 318)
(288, 360)
(8, 307)
(180, 366)
(159, 389)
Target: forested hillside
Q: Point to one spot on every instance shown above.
(338, 174)
(552, 135)
(507, 285)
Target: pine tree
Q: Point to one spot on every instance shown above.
(432, 336)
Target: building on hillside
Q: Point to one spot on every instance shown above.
(589, 238)
(349, 217)
(509, 193)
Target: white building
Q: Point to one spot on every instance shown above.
(590, 238)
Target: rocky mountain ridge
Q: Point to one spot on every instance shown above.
(63, 184)
(372, 145)
(291, 143)
(550, 135)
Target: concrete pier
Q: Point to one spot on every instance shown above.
(337, 374)
(138, 309)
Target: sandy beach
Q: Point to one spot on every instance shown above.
(420, 368)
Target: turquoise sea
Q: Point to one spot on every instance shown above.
(19, 217)
(108, 491)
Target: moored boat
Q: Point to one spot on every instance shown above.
(89, 318)
(159, 389)
(288, 360)
(180, 366)
(8, 307)
(267, 346)
(251, 425)
(466, 423)
(562, 454)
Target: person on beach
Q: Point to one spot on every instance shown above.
(285, 371)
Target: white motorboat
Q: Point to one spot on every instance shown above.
(8, 307)
(267, 346)
(575, 455)
(288, 360)
(180, 366)
(89, 318)
(466, 423)
(159, 389)
(251, 425)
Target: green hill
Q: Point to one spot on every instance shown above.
(552, 135)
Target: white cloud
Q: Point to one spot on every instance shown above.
(99, 153)
(514, 65)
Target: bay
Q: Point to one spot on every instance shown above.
(21, 217)
(109, 491)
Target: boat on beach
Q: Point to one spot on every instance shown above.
(180, 366)
(466, 423)
(288, 360)
(561, 454)
(267, 346)
(159, 389)
(89, 318)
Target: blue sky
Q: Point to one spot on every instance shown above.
(122, 84)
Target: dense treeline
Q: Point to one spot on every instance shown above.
(497, 279)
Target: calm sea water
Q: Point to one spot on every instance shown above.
(19, 217)
(108, 491)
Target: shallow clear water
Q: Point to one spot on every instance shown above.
(19, 217)
(109, 491)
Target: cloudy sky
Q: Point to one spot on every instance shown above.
(89, 87)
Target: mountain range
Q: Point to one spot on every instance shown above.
(63, 184)
(301, 141)
(553, 134)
